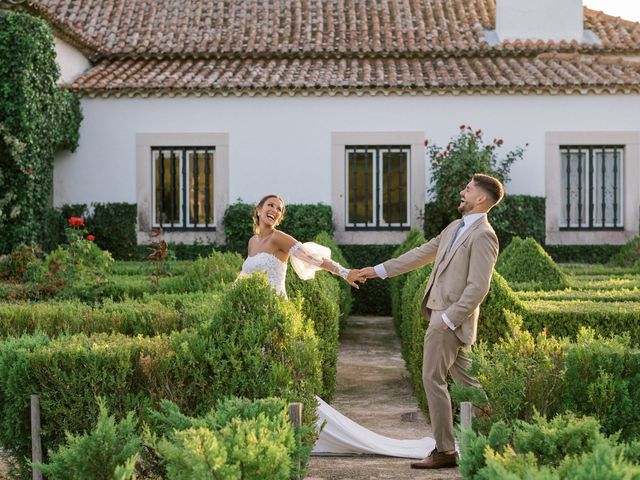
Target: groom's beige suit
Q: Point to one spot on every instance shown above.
(459, 281)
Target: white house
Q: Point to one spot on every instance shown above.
(190, 105)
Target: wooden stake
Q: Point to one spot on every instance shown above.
(36, 444)
(295, 414)
(466, 414)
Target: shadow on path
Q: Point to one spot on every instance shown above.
(373, 388)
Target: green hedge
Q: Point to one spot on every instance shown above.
(566, 447)
(239, 439)
(346, 298)
(372, 298)
(524, 374)
(134, 317)
(621, 295)
(582, 253)
(255, 345)
(320, 303)
(414, 239)
(302, 222)
(565, 318)
(629, 255)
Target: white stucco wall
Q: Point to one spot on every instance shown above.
(539, 19)
(283, 144)
(72, 62)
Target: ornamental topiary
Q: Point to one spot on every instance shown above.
(37, 118)
(526, 262)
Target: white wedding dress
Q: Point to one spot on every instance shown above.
(339, 435)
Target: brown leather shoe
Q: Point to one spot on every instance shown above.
(437, 460)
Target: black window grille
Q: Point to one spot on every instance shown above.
(592, 184)
(377, 187)
(183, 187)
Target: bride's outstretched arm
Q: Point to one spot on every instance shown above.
(310, 257)
(307, 254)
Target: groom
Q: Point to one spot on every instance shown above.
(464, 254)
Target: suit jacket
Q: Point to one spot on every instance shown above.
(460, 279)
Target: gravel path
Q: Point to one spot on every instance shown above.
(374, 390)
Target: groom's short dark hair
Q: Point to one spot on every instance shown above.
(491, 185)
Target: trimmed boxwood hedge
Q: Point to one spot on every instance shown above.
(255, 345)
(565, 318)
(133, 317)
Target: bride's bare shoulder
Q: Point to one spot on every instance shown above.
(283, 241)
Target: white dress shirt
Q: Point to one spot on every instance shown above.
(468, 221)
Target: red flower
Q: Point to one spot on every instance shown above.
(500, 141)
(75, 222)
(426, 142)
(478, 132)
(462, 127)
(29, 171)
(91, 238)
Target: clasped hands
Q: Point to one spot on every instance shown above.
(360, 275)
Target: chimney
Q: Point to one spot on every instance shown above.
(539, 20)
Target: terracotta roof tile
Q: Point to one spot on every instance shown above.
(304, 27)
(544, 73)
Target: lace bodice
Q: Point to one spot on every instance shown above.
(268, 263)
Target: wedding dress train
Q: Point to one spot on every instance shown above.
(339, 435)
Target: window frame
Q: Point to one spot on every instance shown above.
(590, 195)
(377, 186)
(184, 213)
(630, 217)
(144, 187)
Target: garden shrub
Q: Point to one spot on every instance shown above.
(453, 167)
(526, 261)
(149, 316)
(373, 297)
(22, 264)
(206, 274)
(523, 374)
(595, 254)
(255, 345)
(114, 226)
(301, 221)
(320, 303)
(37, 118)
(323, 238)
(240, 439)
(629, 255)
(98, 453)
(566, 447)
(567, 317)
(414, 239)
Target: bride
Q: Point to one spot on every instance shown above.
(269, 250)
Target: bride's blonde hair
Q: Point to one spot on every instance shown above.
(256, 218)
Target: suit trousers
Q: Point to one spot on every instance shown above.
(443, 354)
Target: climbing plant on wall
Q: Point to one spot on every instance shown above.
(37, 118)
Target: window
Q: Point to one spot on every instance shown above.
(377, 187)
(591, 183)
(183, 187)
